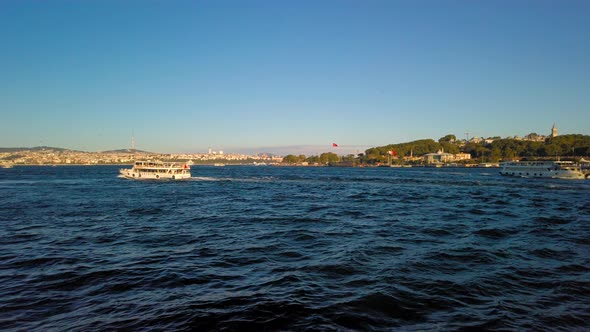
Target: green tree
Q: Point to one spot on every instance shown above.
(349, 157)
(290, 159)
(449, 148)
(372, 156)
(313, 159)
(495, 154)
(448, 138)
(551, 150)
(329, 157)
(508, 154)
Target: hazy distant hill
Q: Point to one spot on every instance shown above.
(36, 148)
(128, 151)
(50, 148)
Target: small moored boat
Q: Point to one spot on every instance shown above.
(156, 170)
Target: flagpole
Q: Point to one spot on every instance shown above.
(334, 145)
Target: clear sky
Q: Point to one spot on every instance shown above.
(183, 76)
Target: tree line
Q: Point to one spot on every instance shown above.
(564, 146)
(569, 146)
(324, 158)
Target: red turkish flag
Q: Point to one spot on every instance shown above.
(335, 145)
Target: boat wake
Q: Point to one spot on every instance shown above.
(207, 178)
(254, 179)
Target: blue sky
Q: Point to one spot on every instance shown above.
(183, 76)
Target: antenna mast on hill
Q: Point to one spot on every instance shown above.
(467, 136)
(132, 141)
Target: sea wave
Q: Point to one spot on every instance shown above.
(251, 248)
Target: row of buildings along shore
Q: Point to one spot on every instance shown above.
(53, 156)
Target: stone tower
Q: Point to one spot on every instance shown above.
(554, 130)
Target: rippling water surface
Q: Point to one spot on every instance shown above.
(270, 248)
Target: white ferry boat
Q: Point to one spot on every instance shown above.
(543, 169)
(156, 170)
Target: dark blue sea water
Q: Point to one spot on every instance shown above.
(271, 248)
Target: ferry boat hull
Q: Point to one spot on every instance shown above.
(156, 170)
(543, 169)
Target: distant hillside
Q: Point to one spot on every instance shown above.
(570, 145)
(51, 148)
(36, 148)
(128, 151)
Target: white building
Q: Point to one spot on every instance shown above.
(443, 157)
(462, 156)
(438, 157)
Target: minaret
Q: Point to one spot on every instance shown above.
(554, 130)
(132, 142)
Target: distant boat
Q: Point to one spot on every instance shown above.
(156, 170)
(435, 165)
(488, 165)
(218, 164)
(7, 165)
(543, 169)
